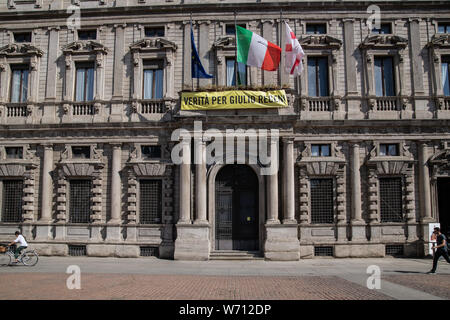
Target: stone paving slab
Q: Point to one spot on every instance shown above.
(52, 286)
(437, 284)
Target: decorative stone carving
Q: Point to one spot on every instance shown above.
(153, 44)
(14, 49)
(379, 41)
(320, 41)
(83, 47)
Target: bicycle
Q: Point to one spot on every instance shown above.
(27, 257)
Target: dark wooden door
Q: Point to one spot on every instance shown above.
(237, 209)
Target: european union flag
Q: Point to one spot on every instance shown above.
(197, 69)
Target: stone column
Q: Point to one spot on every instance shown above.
(119, 53)
(187, 77)
(424, 176)
(288, 181)
(113, 228)
(272, 188)
(185, 184)
(200, 181)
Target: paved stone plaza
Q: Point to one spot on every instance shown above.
(156, 279)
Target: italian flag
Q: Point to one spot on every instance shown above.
(255, 51)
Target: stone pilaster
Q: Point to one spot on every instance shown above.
(358, 224)
(43, 228)
(187, 76)
(288, 182)
(119, 53)
(200, 181)
(424, 178)
(113, 229)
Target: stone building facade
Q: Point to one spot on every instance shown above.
(87, 113)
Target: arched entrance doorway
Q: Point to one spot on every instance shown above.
(237, 214)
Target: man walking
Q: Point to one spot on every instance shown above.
(440, 249)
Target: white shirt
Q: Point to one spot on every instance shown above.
(21, 240)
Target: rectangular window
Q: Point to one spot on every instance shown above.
(385, 28)
(81, 152)
(322, 201)
(150, 201)
(151, 32)
(444, 27)
(391, 199)
(14, 152)
(87, 34)
(230, 30)
(231, 75)
(22, 37)
(316, 28)
(318, 77)
(388, 149)
(384, 77)
(153, 79)
(151, 152)
(320, 150)
(19, 83)
(12, 201)
(84, 90)
(80, 201)
(445, 75)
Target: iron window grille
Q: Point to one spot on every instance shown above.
(146, 251)
(151, 152)
(394, 250)
(391, 200)
(322, 206)
(77, 250)
(12, 200)
(14, 152)
(150, 201)
(80, 201)
(323, 251)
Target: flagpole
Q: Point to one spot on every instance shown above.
(235, 52)
(280, 44)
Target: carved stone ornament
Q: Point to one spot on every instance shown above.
(84, 47)
(153, 45)
(224, 43)
(14, 49)
(320, 41)
(440, 41)
(380, 41)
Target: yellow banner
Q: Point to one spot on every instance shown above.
(236, 99)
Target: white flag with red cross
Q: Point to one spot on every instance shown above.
(293, 53)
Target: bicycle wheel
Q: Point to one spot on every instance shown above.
(5, 259)
(30, 258)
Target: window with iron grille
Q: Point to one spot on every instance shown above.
(394, 250)
(80, 201)
(391, 200)
(323, 251)
(12, 200)
(322, 201)
(77, 250)
(14, 152)
(150, 201)
(149, 251)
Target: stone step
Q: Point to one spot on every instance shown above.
(235, 255)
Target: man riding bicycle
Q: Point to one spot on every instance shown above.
(22, 245)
